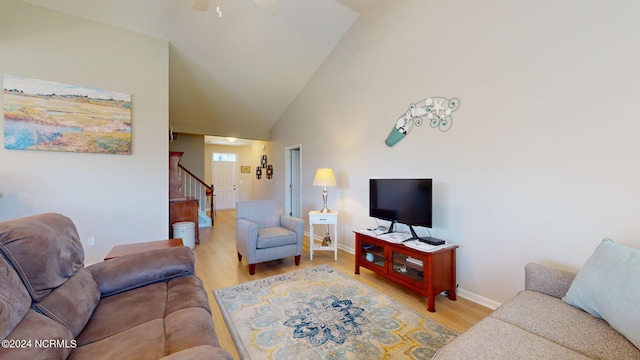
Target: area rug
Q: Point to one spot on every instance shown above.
(320, 313)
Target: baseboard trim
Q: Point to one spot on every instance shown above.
(486, 302)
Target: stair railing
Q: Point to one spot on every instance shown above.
(194, 187)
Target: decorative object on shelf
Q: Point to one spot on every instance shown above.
(400, 268)
(326, 240)
(324, 177)
(436, 110)
(258, 172)
(269, 171)
(49, 116)
(245, 169)
(263, 161)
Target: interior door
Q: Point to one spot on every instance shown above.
(224, 181)
(295, 183)
(293, 169)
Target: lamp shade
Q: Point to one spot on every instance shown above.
(324, 177)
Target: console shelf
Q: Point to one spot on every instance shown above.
(427, 273)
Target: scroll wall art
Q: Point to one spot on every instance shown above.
(435, 110)
(50, 116)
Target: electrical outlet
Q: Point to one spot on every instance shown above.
(91, 241)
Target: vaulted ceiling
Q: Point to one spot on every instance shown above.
(233, 75)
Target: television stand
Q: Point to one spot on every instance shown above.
(427, 273)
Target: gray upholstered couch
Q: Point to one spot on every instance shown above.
(141, 306)
(538, 324)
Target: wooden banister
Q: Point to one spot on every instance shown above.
(207, 188)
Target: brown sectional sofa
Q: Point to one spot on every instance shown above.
(142, 306)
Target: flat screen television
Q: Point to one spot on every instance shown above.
(406, 201)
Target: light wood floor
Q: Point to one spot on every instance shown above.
(217, 266)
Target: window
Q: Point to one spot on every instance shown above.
(224, 157)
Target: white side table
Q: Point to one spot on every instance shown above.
(316, 218)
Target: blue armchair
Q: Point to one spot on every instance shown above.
(264, 233)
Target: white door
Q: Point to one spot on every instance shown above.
(224, 182)
(293, 174)
(295, 183)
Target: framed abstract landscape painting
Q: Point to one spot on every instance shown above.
(50, 116)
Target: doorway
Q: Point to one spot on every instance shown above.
(225, 180)
(293, 174)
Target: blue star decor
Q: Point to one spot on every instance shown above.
(436, 110)
(325, 319)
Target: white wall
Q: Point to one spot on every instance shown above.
(541, 161)
(116, 198)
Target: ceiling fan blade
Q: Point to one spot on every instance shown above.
(200, 5)
(269, 6)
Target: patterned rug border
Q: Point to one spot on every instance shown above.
(234, 331)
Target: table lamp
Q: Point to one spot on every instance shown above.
(324, 177)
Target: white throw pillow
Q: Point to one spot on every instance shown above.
(608, 287)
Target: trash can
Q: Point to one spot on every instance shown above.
(187, 231)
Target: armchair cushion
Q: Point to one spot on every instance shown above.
(275, 236)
